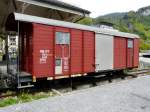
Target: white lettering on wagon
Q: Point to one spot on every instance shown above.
(66, 64)
(43, 56)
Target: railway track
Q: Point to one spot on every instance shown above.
(92, 81)
(9, 95)
(139, 72)
(60, 87)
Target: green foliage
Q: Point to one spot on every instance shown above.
(146, 21)
(144, 45)
(8, 101)
(113, 18)
(24, 97)
(86, 21)
(132, 22)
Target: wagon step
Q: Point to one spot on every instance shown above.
(25, 83)
(24, 80)
(29, 85)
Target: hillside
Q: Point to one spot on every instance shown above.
(132, 22)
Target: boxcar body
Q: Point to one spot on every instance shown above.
(55, 49)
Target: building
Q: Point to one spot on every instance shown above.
(53, 9)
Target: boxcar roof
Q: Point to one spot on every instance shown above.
(40, 20)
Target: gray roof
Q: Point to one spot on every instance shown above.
(40, 20)
(54, 9)
(65, 5)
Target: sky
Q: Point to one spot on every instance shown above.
(102, 7)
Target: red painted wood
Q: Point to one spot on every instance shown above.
(130, 56)
(70, 30)
(66, 52)
(89, 49)
(43, 50)
(81, 58)
(54, 53)
(62, 51)
(58, 51)
(65, 68)
(120, 53)
(26, 50)
(76, 51)
(61, 29)
(136, 52)
(82, 52)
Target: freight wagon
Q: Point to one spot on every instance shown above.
(53, 49)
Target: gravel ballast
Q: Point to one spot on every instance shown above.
(126, 96)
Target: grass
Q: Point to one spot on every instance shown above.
(8, 101)
(149, 67)
(24, 97)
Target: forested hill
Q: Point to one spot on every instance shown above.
(132, 22)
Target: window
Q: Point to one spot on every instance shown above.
(58, 62)
(62, 38)
(130, 43)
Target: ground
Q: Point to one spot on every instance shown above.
(125, 96)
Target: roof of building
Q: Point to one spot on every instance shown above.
(65, 5)
(40, 20)
(53, 9)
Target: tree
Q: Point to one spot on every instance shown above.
(86, 21)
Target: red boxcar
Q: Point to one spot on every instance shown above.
(55, 49)
(51, 58)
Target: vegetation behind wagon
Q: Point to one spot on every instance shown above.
(132, 22)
